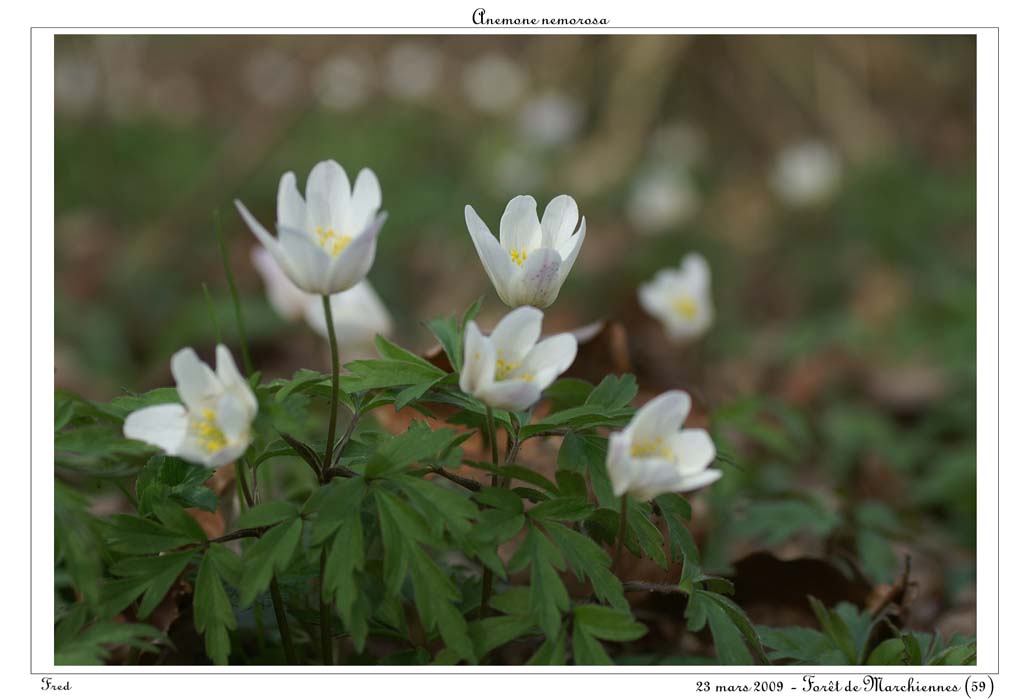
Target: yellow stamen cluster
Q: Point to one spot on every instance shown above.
(505, 368)
(339, 241)
(518, 256)
(686, 307)
(526, 377)
(653, 448)
(212, 438)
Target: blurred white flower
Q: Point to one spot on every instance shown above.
(532, 259)
(653, 456)
(272, 77)
(341, 83)
(493, 82)
(508, 369)
(212, 424)
(660, 199)
(358, 313)
(551, 119)
(413, 70)
(76, 82)
(805, 173)
(175, 98)
(681, 298)
(326, 244)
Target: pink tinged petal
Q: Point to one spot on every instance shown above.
(516, 333)
(520, 225)
(660, 417)
(309, 264)
(328, 184)
(164, 425)
(549, 359)
(364, 202)
(498, 264)
(291, 210)
(479, 360)
(288, 300)
(509, 394)
(559, 221)
(353, 263)
(233, 381)
(197, 385)
(539, 279)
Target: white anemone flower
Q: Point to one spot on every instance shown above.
(212, 424)
(509, 369)
(358, 313)
(326, 241)
(531, 260)
(806, 173)
(681, 298)
(653, 456)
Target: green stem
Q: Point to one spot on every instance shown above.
(487, 574)
(334, 401)
(244, 349)
(280, 608)
(325, 622)
(620, 545)
(330, 442)
(283, 623)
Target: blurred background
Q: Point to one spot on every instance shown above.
(829, 180)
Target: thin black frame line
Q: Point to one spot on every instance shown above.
(522, 28)
(458, 673)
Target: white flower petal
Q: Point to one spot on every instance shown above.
(618, 466)
(364, 202)
(233, 418)
(479, 360)
(570, 252)
(234, 382)
(660, 417)
(538, 281)
(288, 300)
(550, 358)
(309, 264)
(653, 477)
(197, 385)
(353, 263)
(509, 394)
(559, 221)
(498, 264)
(694, 450)
(163, 425)
(270, 243)
(696, 270)
(701, 479)
(516, 333)
(328, 190)
(291, 210)
(520, 225)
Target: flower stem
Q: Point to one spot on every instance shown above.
(487, 573)
(620, 544)
(330, 442)
(280, 609)
(244, 349)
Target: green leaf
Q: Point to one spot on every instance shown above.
(563, 508)
(212, 612)
(342, 499)
(548, 597)
(608, 623)
(889, 653)
(572, 455)
(729, 644)
(178, 520)
(738, 618)
(493, 632)
(77, 544)
(419, 443)
(648, 536)
(567, 393)
(266, 514)
(551, 653)
(391, 351)
(156, 576)
(268, 556)
(586, 650)
(501, 499)
(614, 392)
(586, 558)
(800, 644)
(835, 628)
(168, 478)
(133, 535)
(379, 374)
